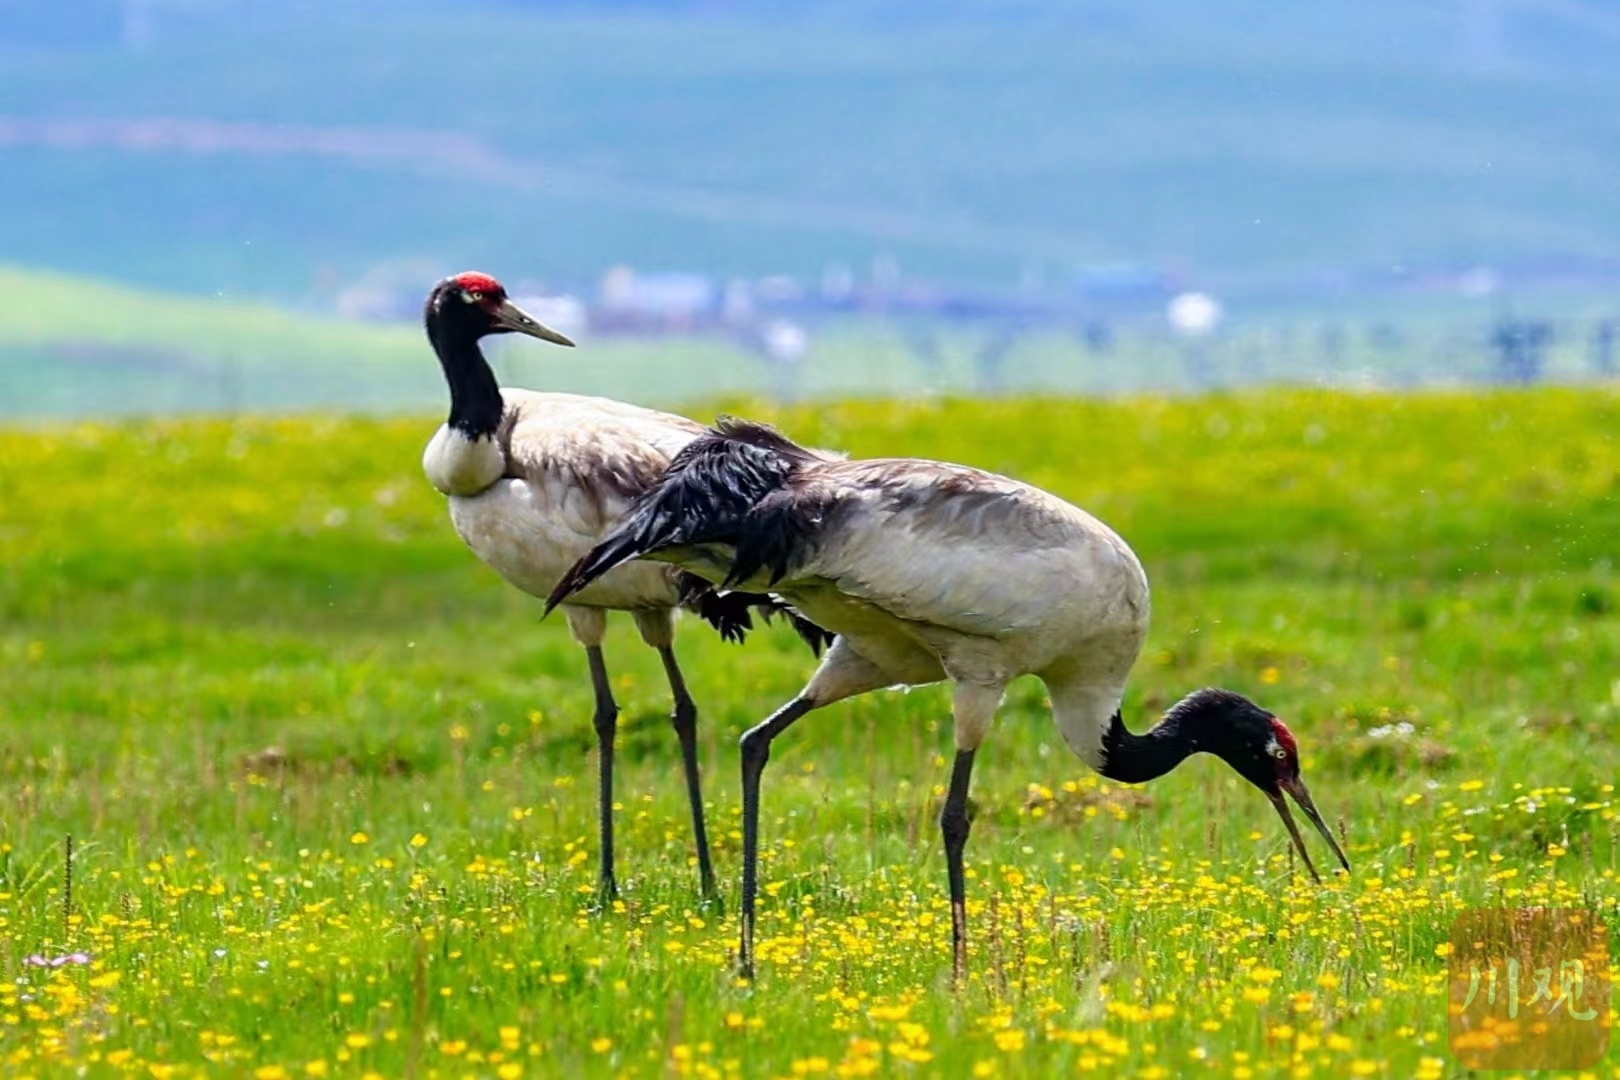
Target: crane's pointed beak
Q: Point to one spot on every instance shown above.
(1296, 788)
(508, 316)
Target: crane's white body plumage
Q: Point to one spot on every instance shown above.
(932, 571)
(561, 470)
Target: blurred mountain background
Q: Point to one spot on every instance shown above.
(839, 196)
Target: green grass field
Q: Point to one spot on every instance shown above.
(330, 788)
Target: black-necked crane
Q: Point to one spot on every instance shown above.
(929, 571)
(535, 479)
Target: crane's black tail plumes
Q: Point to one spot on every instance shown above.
(705, 496)
(817, 637)
(731, 613)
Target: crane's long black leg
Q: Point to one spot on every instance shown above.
(955, 824)
(756, 751)
(606, 722)
(685, 720)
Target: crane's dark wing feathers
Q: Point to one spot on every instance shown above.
(775, 534)
(760, 436)
(709, 494)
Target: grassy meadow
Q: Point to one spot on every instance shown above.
(330, 785)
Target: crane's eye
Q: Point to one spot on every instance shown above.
(1280, 754)
(471, 296)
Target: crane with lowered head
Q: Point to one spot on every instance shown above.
(930, 571)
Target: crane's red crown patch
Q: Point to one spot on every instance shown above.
(473, 281)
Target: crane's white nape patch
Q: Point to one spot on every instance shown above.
(458, 465)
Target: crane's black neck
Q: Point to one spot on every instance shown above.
(1135, 759)
(1212, 721)
(475, 396)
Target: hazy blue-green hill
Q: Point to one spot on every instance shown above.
(972, 141)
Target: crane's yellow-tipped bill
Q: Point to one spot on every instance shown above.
(1296, 788)
(511, 317)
